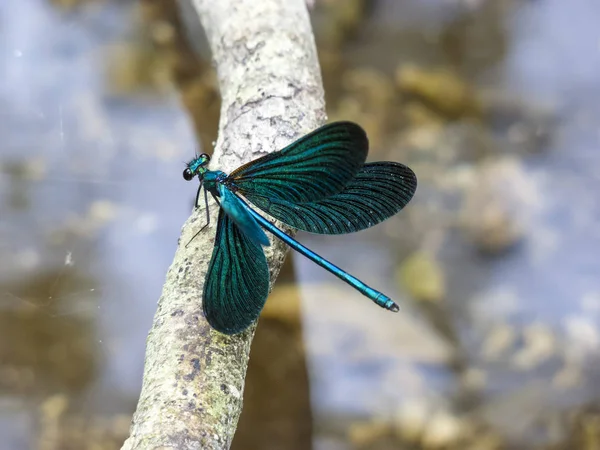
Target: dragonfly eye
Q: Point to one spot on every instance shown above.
(205, 157)
(188, 174)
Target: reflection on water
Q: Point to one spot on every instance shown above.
(86, 178)
(46, 345)
(494, 104)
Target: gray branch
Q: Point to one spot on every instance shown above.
(272, 93)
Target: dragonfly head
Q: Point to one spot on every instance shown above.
(196, 167)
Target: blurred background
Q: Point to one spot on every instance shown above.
(494, 103)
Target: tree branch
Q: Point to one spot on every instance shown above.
(272, 93)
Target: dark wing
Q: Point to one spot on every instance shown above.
(313, 167)
(237, 283)
(378, 191)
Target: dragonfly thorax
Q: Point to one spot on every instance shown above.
(211, 179)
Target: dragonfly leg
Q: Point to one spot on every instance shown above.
(207, 211)
(207, 214)
(216, 199)
(196, 205)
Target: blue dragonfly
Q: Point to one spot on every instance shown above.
(320, 184)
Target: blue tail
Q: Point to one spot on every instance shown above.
(380, 299)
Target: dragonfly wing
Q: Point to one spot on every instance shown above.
(378, 191)
(238, 213)
(237, 283)
(313, 167)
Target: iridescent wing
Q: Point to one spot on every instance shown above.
(378, 191)
(237, 283)
(313, 167)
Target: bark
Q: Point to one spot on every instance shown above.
(272, 93)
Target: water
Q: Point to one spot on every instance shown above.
(92, 201)
(89, 222)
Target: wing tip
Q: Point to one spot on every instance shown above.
(225, 325)
(354, 130)
(411, 178)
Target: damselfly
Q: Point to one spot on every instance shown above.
(320, 184)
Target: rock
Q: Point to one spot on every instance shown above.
(569, 376)
(539, 346)
(368, 96)
(371, 86)
(411, 420)
(487, 441)
(335, 314)
(498, 207)
(527, 126)
(440, 88)
(474, 379)
(443, 430)
(423, 139)
(364, 434)
(102, 212)
(335, 20)
(583, 335)
(469, 141)
(418, 115)
(423, 277)
(590, 431)
(66, 5)
(133, 67)
(500, 338)
(34, 169)
(516, 412)
(54, 407)
(476, 34)
(497, 302)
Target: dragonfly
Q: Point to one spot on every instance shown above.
(321, 184)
